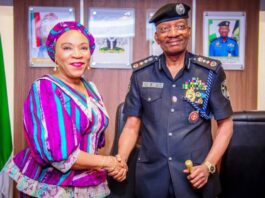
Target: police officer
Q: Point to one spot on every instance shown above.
(223, 45)
(171, 100)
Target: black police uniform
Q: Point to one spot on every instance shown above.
(171, 132)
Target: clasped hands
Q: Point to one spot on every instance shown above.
(116, 167)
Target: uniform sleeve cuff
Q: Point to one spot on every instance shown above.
(224, 115)
(132, 112)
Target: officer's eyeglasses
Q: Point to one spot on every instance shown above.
(168, 29)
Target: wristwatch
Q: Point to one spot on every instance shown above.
(211, 167)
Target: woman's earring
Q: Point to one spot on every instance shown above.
(88, 66)
(55, 68)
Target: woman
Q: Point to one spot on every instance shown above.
(64, 121)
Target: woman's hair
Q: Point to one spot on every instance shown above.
(63, 27)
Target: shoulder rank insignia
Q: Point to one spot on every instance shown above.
(209, 63)
(144, 62)
(213, 39)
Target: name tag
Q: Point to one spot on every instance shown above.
(153, 85)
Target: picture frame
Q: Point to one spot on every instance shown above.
(113, 30)
(40, 22)
(224, 38)
(154, 48)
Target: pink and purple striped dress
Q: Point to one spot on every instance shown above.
(59, 122)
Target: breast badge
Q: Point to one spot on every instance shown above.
(194, 116)
(197, 95)
(190, 94)
(158, 85)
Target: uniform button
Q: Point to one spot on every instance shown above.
(139, 158)
(174, 85)
(149, 99)
(174, 99)
(170, 158)
(169, 134)
(172, 110)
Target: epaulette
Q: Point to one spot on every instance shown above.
(143, 63)
(213, 39)
(206, 62)
(233, 39)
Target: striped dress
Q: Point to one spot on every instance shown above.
(58, 123)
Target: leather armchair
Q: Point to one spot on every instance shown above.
(242, 170)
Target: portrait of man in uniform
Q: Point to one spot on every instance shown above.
(224, 36)
(224, 45)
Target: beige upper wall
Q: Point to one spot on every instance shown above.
(6, 31)
(261, 62)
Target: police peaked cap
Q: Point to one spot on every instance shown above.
(224, 23)
(169, 12)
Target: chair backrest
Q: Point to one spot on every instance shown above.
(119, 124)
(126, 188)
(242, 171)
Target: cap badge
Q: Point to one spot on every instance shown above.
(180, 9)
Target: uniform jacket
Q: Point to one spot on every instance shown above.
(218, 47)
(170, 133)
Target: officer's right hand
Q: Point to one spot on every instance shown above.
(198, 177)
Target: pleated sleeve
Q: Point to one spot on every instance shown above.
(50, 131)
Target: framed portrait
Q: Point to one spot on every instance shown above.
(154, 48)
(113, 30)
(224, 38)
(41, 20)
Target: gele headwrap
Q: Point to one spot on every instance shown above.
(63, 27)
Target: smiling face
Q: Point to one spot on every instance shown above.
(223, 31)
(173, 36)
(72, 55)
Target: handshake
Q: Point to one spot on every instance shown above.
(115, 166)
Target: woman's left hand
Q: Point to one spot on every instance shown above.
(198, 176)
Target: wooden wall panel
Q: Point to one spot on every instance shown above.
(113, 83)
